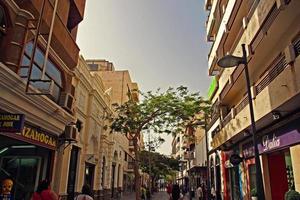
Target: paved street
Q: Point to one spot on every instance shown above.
(157, 196)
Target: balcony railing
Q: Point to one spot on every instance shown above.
(243, 103)
(276, 67)
(296, 44)
(227, 119)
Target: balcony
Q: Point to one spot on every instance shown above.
(230, 32)
(275, 90)
(272, 20)
(208, 4)
(211, 21)
(135, 91)
(62, 42)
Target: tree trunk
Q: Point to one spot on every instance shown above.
(136, 170)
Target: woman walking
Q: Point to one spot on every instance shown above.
(85, 193)
(44, 192)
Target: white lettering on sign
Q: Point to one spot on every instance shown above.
(272, 143)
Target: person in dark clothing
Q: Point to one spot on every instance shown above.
(175, 192)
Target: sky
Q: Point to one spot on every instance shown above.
(161, 42)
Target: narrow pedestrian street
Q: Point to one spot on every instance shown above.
(156, 196)
(198, 99)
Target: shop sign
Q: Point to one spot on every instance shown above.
(276, 140)
(270, 142)
(248, 150)
(11, 122)
(39, 137)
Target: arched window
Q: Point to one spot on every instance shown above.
(2, 21)
(52, 71)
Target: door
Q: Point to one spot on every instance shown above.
(89, 174)
(72, 172)
(113, 180)
(278, 176)
(25, 172)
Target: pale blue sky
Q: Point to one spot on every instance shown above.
(161, 42)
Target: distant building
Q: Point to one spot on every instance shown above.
(119, 86)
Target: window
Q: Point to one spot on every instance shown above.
(2, 21)
(52, 71)
(252, 176)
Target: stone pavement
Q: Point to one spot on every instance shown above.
(156, 196)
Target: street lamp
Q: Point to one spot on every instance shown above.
(232, 61)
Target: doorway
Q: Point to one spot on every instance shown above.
(89, 174)
(25, 174)
(280, 169)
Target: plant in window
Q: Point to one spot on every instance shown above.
(292, 195)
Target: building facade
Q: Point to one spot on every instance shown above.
(270, 30)
(120, 87)
(37, 95)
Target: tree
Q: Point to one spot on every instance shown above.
(161, 165)
(163, 112)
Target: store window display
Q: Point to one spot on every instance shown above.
(6, 188)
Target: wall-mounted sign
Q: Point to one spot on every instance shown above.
(248, 150)
(11, 122)
(278, 140)
(270, 142)
(35, 136)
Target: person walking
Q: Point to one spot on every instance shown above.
(44, 192)
(175, 192)
(199, 193)
(169, 190)
(85, 193)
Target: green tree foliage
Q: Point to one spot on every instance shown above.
(162, 112)
(157, 165)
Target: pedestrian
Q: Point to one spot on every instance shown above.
(213, 193)
(199, 193)
(44, 192)
(143, 190)
(169, 190)
(175, 192)
(85, 193)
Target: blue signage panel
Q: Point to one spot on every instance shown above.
(11, 122)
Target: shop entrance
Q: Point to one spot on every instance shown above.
(280, 171)
(24, 171)
(25, 164)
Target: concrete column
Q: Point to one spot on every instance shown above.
(295, 155)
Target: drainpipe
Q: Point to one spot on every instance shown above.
(49, 40)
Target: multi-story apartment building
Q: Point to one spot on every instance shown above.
(270, 29)
(190, 149)
(120, 86)
(38, 54)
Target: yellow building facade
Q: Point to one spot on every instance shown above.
(270, 30)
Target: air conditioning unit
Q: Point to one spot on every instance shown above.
(70, 132)
(66, 101)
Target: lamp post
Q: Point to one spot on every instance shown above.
(232, 61)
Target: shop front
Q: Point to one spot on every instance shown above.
(26, 154)
(276, 147)
(232, 176)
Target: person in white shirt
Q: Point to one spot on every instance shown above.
(199, 193)
(85, 193)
